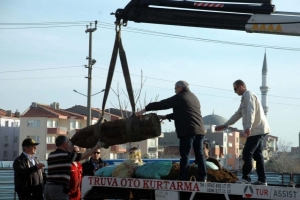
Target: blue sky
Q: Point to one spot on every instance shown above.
(54, 59)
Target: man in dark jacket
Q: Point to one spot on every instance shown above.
(189, 126)
(28, 171)
(93, 164)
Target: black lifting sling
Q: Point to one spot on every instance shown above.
(137, 128)
(120, 131)
(118, 47)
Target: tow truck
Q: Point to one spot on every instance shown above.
(252, 16)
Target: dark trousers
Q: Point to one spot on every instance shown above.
(185, 145)
(32, 196)
(55, 192)
(254, 150)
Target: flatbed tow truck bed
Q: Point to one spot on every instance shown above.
(134, 188)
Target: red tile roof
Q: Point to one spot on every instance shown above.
(4, 113)
(43, 110)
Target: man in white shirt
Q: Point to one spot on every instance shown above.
(256, 127)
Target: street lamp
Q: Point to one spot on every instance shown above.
(79, 93)
(91, 95)
(98, 92)
(89, 104)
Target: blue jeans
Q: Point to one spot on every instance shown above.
(254, 150)
(185, 145)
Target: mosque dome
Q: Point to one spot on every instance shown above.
(214, 120)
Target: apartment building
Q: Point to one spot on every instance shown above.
(224, 147)
(44, 123)
(9, 134)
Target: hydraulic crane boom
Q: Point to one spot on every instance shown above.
(253, 16)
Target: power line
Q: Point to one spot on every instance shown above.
(171, 81)
(284, 104)
(44, 27)
(106, 25)
(236, 98)
(136, 84)
(148, 32)
(29, 70)
(45, 23)
(16, 79)
(141, 31)
(138, 75)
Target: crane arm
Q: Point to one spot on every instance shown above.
(253, 16)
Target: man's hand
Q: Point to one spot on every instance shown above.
(140, 112)
(40, 165)
(162, 117)
(247, 132)
(220, 128)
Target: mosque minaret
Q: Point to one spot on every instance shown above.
(264, 88)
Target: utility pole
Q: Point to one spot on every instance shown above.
(91, 63)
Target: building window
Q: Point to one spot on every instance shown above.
(73, 125)
(49, 124)
(5, 155)
(152, 143)
(123, 146)
(6, 123)
(78, 125)
(33, 123)
(237, 150)
(237, 139)
(5, 139)
(15, 154)
(34, 137)
(16, 124)
(37, 154)
(16, 139)
(225, 138)
(50, 139)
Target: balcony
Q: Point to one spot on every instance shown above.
(271, 148)
(118, 149)
(152, 149)
(51, 147)
(160, 149)
(58, 130)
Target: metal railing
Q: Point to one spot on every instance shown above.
(278, 179)
(7, 188)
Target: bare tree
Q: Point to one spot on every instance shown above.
(123, 104)
(284, 161)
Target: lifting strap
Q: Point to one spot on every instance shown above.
(118, 47)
